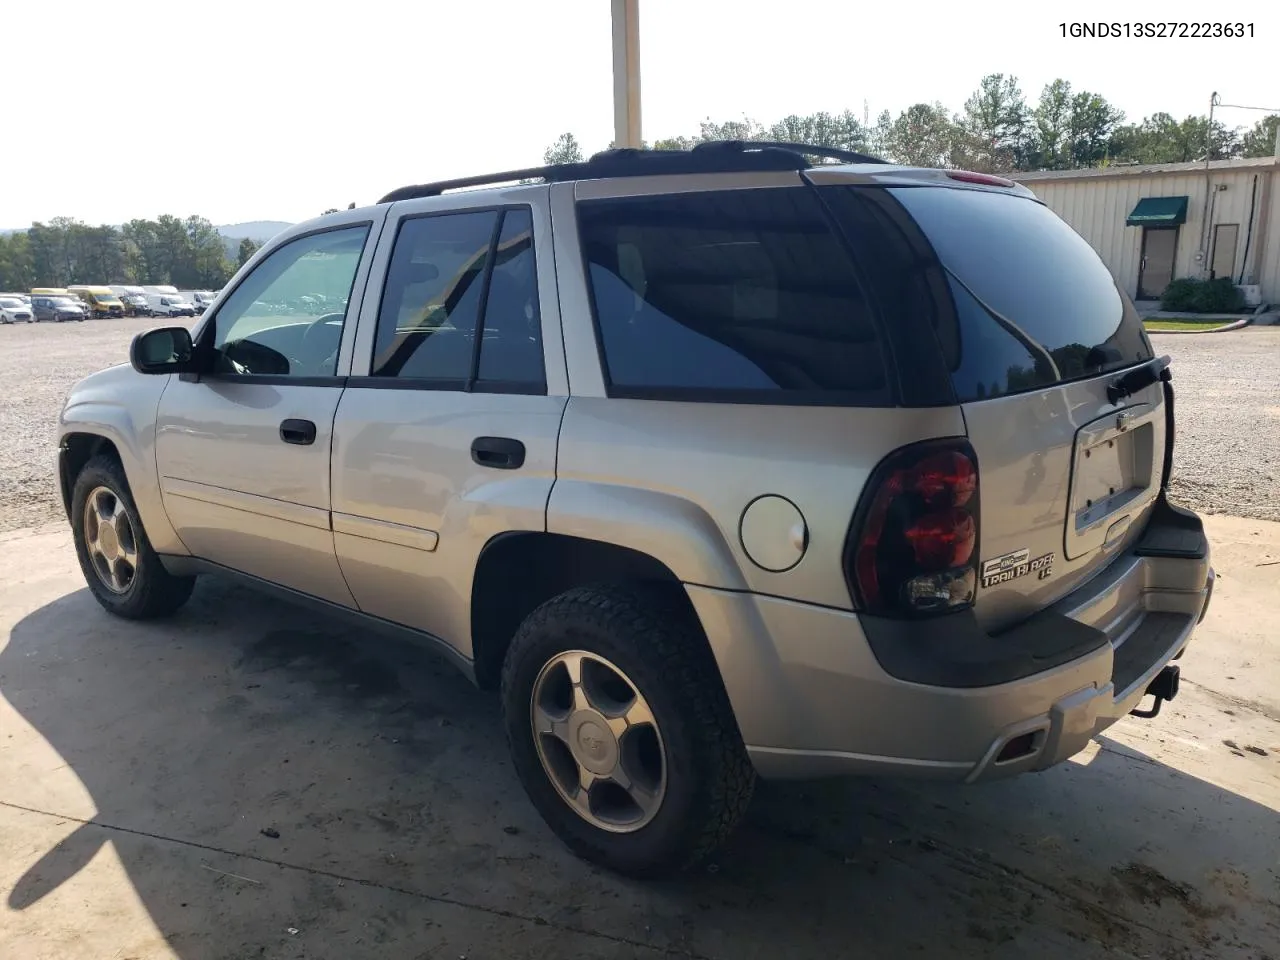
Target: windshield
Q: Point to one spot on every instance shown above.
(10, 302)
(63, 302)
(106, 298)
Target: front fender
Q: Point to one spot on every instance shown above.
(671, 529)
(119, 405)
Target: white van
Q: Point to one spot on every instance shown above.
(170, 305)
(200, 299)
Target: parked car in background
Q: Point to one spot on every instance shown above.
(101, 301)
(170, 305)
(57, 308)
(203, 299)
(199, 299)
(134, 299)
(136, 305)
(13, 310)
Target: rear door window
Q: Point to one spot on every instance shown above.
(744, 295)
(1034, 304)
(460, 306)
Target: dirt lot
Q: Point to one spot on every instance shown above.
(250, 781)
(1228, 452)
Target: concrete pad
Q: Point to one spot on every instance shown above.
(140, 765)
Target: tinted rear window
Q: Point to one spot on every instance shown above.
(1034, 304)
(737, 294)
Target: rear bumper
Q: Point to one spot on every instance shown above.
(812, 698)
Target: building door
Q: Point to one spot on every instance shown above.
(1156, 269)
(1225, 236)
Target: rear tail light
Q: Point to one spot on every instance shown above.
(913, 549)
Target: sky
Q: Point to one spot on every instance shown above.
(279, 109)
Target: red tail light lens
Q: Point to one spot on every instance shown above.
(914, 545)
(943, 540)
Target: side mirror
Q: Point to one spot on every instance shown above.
(167, 350)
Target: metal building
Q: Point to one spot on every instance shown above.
(1149, 222)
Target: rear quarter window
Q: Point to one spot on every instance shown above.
(735, 295)
(1034, 304)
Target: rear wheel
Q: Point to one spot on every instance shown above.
(120, 568)
(621, 731)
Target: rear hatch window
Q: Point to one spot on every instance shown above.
(1035, 305)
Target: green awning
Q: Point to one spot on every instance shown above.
(1158, 212)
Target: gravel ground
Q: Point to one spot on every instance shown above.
(1227, 453)
(1227, 457)
(40, 362)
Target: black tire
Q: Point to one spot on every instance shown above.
(153, 592)
(653, 636)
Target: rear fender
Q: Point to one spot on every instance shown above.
(673, 530)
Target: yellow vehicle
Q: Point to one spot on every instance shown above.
(100, 301)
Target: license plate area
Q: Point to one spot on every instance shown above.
(1113, 476)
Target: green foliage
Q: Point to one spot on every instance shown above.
(998, 131)
(1161, 139)
(186, 253)
(1261, 140)
(246, 251)
(564, 150)
(1189, 295)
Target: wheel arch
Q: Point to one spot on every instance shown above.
(91, 426)
(77, 449)
(519, 571)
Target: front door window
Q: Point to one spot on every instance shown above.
(286, 318)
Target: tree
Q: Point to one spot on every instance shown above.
(1261, 140)
(564, 150)
(843, 131)
(246, 251)
(992, 133)
(1090, 124)
(17, 269)
(331, 210)
(1051, 119)
(1161, 139)
(744, 129)
(922, 136)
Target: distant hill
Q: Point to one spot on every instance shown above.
(259, 231)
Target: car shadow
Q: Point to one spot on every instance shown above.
(272, 781)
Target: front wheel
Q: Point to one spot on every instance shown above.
(621, 731)
(120, 568)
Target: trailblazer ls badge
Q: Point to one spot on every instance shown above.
(1011, 566)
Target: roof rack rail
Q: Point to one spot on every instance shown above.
(804, 149)
(712, 156)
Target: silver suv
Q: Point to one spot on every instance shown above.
(717, 463)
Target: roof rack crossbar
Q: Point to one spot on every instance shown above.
(713, 156)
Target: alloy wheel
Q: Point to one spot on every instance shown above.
(598, 741)
(109, 539)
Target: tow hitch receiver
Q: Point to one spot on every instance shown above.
(1163, 687)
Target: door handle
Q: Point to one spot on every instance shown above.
(501, 453)
(301, 432)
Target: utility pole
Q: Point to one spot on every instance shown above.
(626, 73)
(1202, 254)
